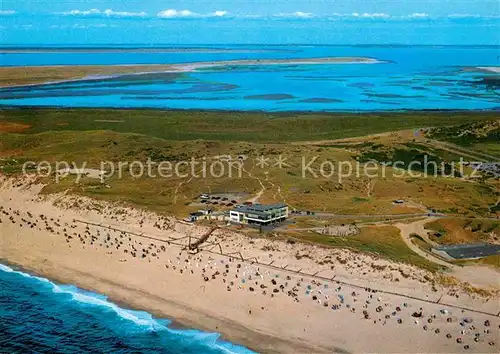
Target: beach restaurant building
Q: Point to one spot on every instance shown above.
(260, 214)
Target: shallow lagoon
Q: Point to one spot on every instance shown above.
(408, 78)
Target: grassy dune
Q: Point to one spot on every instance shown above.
(453, 231)
(384, 241)
(322, 193)
(94, 135)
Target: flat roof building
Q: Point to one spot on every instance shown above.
(260, 214)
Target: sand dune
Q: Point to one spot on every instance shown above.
(250, 290)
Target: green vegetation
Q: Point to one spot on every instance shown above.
(493, 261)
(415, 156)
(490, 260)
(231, 126)
(453, 231)
(410, 159)
(437, 227)
(384, 241)
(483, 136)
(95, 135)
(355, 195)
(421, 243)
(442, 155)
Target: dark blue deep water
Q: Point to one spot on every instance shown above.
(38, 316)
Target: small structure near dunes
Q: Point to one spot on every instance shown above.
(468, 251)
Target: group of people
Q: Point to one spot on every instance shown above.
(235, 274)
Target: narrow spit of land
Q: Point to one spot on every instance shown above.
(36, 75)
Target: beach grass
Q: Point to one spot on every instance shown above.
(458, 231)
(350, 196)
(384, 241)
(491, 261)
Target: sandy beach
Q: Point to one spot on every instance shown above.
(269, 295)
(20, 76)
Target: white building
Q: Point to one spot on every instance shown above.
(259, 214)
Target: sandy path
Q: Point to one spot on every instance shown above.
(418, 228)
(481, 276)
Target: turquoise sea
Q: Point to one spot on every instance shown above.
(39, 316)
(407, 78)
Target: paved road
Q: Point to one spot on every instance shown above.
(394, 216)
(364, 216)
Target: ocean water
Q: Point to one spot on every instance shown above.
(406, 78)
(38, 316)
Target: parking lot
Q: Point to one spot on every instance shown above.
(475, 250)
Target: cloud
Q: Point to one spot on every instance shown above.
(298, 14)
(418, 15)
(371, 15)
(303, 15)
(82, 26)
(220, 13)
(81, 13)
(172, 13)
(105, 13)
(7, 12)
(110, 12)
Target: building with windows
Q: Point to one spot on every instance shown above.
(260, 214)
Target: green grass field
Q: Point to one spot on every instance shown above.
(232, 126)
(481, 136)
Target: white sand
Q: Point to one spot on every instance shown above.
(58, 247)
(493, 69)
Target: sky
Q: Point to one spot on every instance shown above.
(30, 22)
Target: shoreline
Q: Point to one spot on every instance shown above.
(99, 72)
(176, 323)
(160, 285)
(277, 114)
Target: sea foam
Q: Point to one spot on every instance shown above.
(142, 321)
